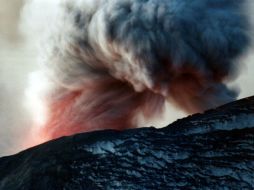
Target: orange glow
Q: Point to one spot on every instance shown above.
(106, 104)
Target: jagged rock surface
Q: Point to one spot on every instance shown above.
(214, 150)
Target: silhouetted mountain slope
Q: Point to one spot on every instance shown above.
(214, 150)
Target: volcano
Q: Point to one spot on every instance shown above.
(212, 150)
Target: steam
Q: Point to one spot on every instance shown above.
(108, 63)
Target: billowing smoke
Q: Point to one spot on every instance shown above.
(108, 63)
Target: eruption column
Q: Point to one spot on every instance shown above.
(109, 62)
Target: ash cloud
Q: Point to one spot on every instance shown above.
(108, 63)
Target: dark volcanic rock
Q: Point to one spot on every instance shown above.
(214, 150)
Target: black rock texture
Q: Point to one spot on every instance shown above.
(213, 150)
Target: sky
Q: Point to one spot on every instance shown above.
(18, 59)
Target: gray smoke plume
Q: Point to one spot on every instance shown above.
(108, 63)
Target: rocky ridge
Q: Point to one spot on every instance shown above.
(212, 150)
